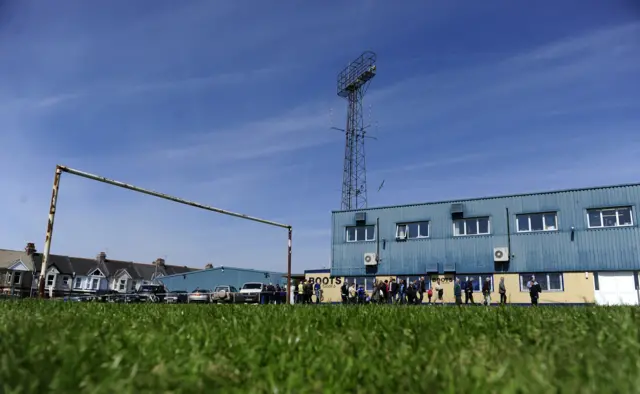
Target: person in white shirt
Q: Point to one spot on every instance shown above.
(439, 292)
(353, 293)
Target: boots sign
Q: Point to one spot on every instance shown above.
(326, 282)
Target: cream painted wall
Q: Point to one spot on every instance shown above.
(578, 288)
(330, 286)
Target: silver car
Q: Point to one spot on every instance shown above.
(200, 295)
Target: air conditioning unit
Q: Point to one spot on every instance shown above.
(370, 259)
(501, 254)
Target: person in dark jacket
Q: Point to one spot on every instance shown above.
(422, 288)
(270, 296)
(486, 291)
(457, 292)
(394, 291)
(344, 292)
(411, 293)
(402, 292)
(468, 291)
(534, 290)
(308, 291)
(502, 289)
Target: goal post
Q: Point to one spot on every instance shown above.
(54, 200)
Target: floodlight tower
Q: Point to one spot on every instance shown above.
(353, 82)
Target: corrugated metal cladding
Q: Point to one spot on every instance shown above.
(219, 276)
(584, 250)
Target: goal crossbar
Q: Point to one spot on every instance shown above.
(54, 199)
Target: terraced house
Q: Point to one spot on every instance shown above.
(582, 245)
(19, 272)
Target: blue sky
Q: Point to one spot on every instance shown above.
(230, 103)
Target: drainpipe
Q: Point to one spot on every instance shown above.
(378, 240)
(508, 237)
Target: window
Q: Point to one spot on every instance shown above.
(412, 230)
(97, 273)
(122, 285)
(552, 281)
(361, 233)
(475, 226)
(537, 222)
(65, 281)
(134, 285)
(366, 282)
(17, 277)
(78, 283)
(412, 279)
(50, 279)
(94, 283)
(477, 281)
(610, 217)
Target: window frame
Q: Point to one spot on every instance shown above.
(407, 235)
(53, 280)
(18, 275)
(616, 208)
(544, 225)
(478, 279)
(77, 283)
(477, 219)
(362, 227)
(122, 284)
(366, 281)
(410, 278)
(524, 278)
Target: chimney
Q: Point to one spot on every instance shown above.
(30, 249)
(101, 257)
(208, 266)
(159, 262)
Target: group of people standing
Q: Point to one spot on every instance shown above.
(305, 290)
(394, 291)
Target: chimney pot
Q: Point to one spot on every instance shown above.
(159, 262)
(101, 257)
(30, 249)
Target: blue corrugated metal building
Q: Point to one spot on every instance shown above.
(219, 276)
(582, 230)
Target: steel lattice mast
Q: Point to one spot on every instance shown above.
(353, 82)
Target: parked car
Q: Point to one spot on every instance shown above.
(251, 292)
(177, 297)
(224, 294)
(151, 293)
(110, 296)
(200, 295)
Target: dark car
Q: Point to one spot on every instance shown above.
(177, 297)
(151, 293)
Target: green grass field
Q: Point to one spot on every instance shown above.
(109, 348)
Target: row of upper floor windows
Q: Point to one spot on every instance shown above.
(525, 223)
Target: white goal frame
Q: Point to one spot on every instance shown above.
(54, 200)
